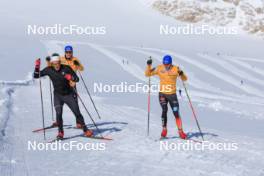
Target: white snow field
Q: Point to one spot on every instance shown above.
(228, 111)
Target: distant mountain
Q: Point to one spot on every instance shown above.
(247, 14)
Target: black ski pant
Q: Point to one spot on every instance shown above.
(76, 95)
(172, 99)
(71, 101)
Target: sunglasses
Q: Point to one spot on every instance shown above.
(68, 52)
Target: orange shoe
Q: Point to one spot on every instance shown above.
(164, 132)
(88, 133)
(60, 135)
(79, 126)
(182, 134)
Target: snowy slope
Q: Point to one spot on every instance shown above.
(130, 152)
(130, 149)
(228, 111)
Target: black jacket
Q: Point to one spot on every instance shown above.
(60, 84)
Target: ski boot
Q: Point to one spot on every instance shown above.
(88, 133)
(164, 133)
(182, 134)
(60, 135)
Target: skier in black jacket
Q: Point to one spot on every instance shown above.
(63, 79)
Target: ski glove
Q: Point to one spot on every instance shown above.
(68, 77)
(149, 62)
(181, 73)
(48, 58)
(76, 63)
(37, 63)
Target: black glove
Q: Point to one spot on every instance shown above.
(76, 63)
(48, 58)
(149, 62)
(181, 73)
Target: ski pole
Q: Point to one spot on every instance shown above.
(148, 106)
(194, 114)
(149, 84)
(89, 94)
(51, 101)
(87, 112)
(42, 107)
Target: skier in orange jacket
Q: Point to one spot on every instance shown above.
(70, 60)
(168, 75)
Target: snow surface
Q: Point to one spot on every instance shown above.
(227, 111)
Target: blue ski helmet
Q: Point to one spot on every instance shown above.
(167, 59)
(68, 48)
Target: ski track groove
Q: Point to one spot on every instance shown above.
(133, 69)
(246, 59)
(245, 65)
(233, 69)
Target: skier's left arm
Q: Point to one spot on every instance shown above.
(182, 75)
(78, 64)
(71, 75)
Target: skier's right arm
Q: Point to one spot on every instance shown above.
(37, 72)
(150, 71)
